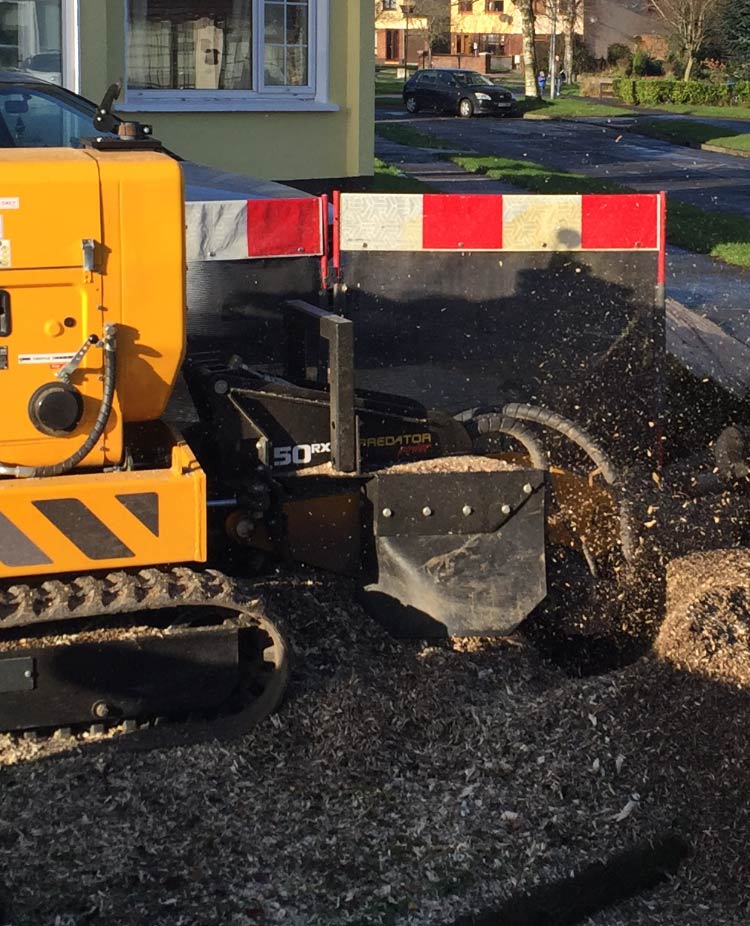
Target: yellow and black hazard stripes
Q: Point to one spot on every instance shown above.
(145, 507)
(87, 522)
(78, 523)
(16, 548)
(82, 527)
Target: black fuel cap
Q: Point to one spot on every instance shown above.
(56, 408)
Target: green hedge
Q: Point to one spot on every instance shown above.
(624, 88)
(651, 92)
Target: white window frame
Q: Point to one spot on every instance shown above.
(71, 45)
(313, 97)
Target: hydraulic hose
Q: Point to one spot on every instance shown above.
(496, 423)
(105, 409)
(582, 439)
(574, 432)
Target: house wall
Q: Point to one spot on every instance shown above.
(507, 24)
(395, 20)
(481, 22)
(274, 145)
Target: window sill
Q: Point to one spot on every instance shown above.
(176, 103)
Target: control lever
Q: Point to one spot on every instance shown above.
(75, 361)
(107, 122)
(104, 120)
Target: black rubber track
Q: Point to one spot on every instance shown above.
(122, 593)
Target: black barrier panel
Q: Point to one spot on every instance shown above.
(234, 305)
(580, 332)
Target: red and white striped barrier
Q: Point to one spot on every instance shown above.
(477, 222)
(255, 228)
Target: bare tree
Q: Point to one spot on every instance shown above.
(691, 22)
(526, 11)
(436, 15)
(571, 10)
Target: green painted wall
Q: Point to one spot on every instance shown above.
(279, 146)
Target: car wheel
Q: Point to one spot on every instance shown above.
(411, 104)
(465, 108)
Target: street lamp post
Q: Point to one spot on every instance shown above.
(407, 9)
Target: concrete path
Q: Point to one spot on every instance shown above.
(426, 165)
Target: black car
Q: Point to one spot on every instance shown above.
(454, 90)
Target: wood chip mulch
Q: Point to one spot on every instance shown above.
(402, 783)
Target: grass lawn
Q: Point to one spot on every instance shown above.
(406, 135)
(388, 85)
(700, 133)
(720, 234)
(717, 112)
(568, 106)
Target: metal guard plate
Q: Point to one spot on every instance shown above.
(407, 495)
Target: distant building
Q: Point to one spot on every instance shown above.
(492, 28)
(398, 25)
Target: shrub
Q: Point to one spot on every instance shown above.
(583, 61)
(653, 92)
(714, 70)
(624, 88)
(640, 63)
(645, 66)
(620, 56)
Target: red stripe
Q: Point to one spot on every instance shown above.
(470, 222)
(324, 236)
(336, 232)
(620, 222)
(283, 227)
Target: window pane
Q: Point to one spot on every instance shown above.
(190, 44)
(34, 119)
(286, 55)
(296, 25)
(31, 37)
(297, 66)
(275, 65)
(275, 23)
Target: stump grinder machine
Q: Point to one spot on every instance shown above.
(113, 521)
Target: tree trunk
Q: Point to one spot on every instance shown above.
(526, 9)
(570, 14)
(689, 65)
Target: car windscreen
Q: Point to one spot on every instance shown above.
(36, 118)
(472, 79)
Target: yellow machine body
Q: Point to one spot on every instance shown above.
(91, 238)
(88, 238)
(84, 522)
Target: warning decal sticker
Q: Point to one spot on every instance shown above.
(45, 358)
(5, 258)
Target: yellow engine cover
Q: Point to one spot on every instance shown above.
(88, 238)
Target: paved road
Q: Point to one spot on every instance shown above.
(605, 150)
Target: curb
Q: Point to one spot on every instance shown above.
(696, 146)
